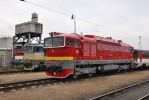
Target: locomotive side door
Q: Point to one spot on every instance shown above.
(77, 52)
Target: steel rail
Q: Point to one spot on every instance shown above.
(17, 85)
(109, 94)
(146, 97)
(24, 84)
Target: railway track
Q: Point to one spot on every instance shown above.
(34, 83)
(136, 91)
(24, 84)
(23, 72)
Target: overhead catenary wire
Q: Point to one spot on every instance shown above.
(102, 26)
(47, 8)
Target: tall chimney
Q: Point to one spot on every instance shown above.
(35, 17)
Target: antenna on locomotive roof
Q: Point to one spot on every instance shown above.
(51, 34)
(140, 43)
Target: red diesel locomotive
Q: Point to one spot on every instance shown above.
(74, 54)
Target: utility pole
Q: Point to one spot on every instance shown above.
(73, 17)
(140, 43)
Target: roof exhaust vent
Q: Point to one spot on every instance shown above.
(120, 41)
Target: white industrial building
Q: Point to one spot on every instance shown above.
(6, 42)
(5, 51)
(25, 33)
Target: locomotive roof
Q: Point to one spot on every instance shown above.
(35, 44)
(107, 40)
(91, 38)
(146, 51)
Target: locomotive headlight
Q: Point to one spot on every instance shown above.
(99, 68)
(53, 62)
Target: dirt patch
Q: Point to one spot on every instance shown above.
(78, 90)
(21, 77)
(10, 68)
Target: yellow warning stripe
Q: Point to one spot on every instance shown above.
(30, 68)
(48, 58)
(58, 58)
(33, 58)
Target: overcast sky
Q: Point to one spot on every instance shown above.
(128, 19)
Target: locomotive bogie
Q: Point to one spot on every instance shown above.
(110, 67)
(85, 70)
(34, 65)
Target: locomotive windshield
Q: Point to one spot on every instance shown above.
(18, 49)
(27, 49)
(54, 42)
(38, 49)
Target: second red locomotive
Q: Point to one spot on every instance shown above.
(74, 54)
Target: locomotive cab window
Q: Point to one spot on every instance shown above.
(27, 49)
(70, 42)
(54, 42)
(38, 49)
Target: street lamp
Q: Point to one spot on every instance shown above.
(73, 17)
(23, 0)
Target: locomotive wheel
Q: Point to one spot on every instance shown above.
(90, 74)
(74, 76)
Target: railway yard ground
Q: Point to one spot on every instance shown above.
(4, 69)
(76, 90)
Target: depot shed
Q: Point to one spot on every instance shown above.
(5, 57)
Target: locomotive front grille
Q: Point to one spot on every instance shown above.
(54, 69)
